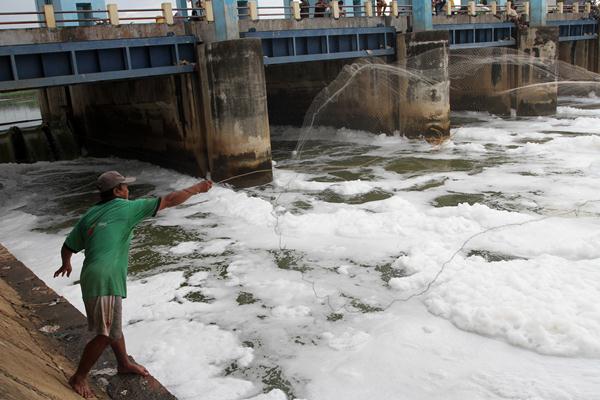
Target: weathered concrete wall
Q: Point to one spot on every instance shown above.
(46, 142)
(486, 86)
(153, 119)
(401, 23)
(204, 31)
(424, 107)
(537, 95)
(239, 141)
(582, 53)
(292, 88)
(466, 19)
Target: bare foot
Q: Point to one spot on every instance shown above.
(81, 387)
(133, 368)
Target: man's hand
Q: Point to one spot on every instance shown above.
(202, 187)
(64, 269)
(179, 197)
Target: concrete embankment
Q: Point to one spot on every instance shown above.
(42, 338)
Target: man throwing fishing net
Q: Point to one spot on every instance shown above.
(104, 232)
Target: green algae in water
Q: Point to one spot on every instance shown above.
(416, 165)
(302, 205)
(433, 183)
(231, 368)
(388, 272)
(198, 297)
(491, 256)
(352, 176)
(146, 259)
(335, 317)
(273, 378)
(147, 237)
(289, 259)
(452, 200)
(364, 308)
(375, 195)
(162, 235)
(245, 298)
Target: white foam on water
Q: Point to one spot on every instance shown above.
(285, 289)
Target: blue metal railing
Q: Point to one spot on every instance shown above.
(57, 64)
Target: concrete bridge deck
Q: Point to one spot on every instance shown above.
(36, 59)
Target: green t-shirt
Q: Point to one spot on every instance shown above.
(105, 232)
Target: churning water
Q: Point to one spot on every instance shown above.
(293, 288)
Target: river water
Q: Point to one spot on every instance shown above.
(20, 106)
(296, 289)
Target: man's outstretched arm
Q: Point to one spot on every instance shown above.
(65, 268)
(181, 196)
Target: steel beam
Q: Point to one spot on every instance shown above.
(463, 36)
(68, 63)
(575, 29)
(291, 46)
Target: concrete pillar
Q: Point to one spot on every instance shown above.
(239, 141)
(422, 20)
(541, 42)
(226, 19)
(538, 10)
(424, 108)
(113, 14)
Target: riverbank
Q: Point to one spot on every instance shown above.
(43, 335)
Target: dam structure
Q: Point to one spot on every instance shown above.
(197, 89)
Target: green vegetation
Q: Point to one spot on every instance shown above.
(23, 94)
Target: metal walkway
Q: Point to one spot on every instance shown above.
(57, 64)
(292, 46)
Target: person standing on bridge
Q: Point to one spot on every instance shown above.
(104, 232)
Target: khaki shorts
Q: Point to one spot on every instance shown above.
(104, 316)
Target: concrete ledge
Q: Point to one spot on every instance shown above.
(467, 19)
(401, 23)
(43, 337)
